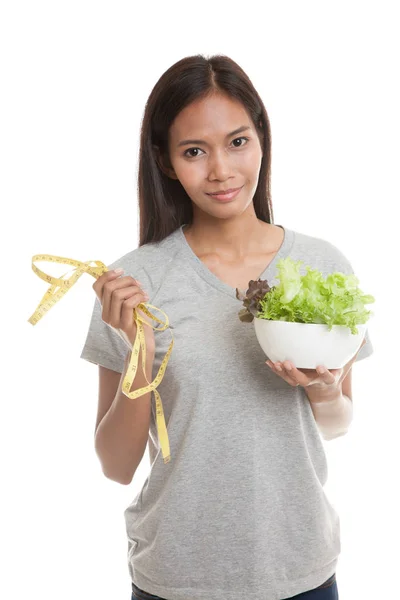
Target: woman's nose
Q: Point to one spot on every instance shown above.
(219, 166)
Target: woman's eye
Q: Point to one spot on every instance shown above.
(190, 150)
(241, 138)
(194, 156)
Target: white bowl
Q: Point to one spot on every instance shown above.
(308, 345)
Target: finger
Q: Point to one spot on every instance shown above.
(294, 374)
(114, 293)
(325, 375)
(306, 377)
(108, 276)
(124, 300)
(127, 309)
(282, 373)
(98, 285)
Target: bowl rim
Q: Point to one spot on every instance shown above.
(299, 323)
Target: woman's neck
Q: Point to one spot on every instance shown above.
(230, 240)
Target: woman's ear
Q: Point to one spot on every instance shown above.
(164, 163)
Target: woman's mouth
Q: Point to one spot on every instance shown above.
(227, 196)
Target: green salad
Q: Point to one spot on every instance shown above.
(309, 298)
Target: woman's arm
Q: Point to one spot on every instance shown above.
(122, 434)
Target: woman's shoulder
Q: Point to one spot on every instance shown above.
(147, 263)
(320, 253)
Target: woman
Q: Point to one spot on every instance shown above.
(239, 510)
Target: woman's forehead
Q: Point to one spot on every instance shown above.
(213, 116)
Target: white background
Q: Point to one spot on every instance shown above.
(75, 78)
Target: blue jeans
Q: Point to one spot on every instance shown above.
(326, 591)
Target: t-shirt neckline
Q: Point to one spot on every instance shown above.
(215, 281)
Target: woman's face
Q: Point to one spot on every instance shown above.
(215, 159)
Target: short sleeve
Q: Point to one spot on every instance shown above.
(105, 345)
(366, 350)
(344, 266)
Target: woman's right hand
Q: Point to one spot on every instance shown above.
(118, 297)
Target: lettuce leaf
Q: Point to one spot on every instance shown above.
(309, 298)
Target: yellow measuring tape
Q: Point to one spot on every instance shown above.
(53, 295)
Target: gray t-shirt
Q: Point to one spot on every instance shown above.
(240, 509)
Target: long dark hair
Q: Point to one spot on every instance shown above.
(164, 204)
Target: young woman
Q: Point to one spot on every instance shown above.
(239, 511)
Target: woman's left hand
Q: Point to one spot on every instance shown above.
(321, 377)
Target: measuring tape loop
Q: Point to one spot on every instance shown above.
(60, 286)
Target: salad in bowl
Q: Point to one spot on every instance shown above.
(307, 319)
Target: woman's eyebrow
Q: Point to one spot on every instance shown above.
(239, 130)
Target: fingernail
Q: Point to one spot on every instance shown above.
(118, 270)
